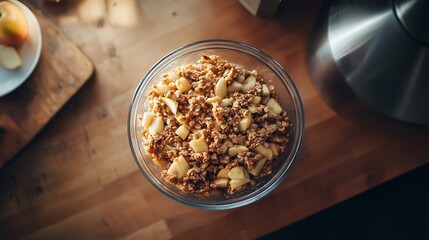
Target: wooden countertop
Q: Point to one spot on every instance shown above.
(78, 179)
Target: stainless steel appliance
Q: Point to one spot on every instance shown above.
(368, 57)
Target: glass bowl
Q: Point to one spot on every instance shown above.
(249, 58)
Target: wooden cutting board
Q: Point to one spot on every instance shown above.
(60, 73)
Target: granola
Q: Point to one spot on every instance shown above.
(214, 126)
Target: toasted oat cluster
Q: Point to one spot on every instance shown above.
(214, 127)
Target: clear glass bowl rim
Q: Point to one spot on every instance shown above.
(228, 45)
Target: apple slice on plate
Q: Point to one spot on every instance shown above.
(9, 57)
(29, 51)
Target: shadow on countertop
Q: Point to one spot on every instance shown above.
(398, 209)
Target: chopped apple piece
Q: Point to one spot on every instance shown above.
(221, 182)
(156, 126)
(204, 165)
(223, 148)
(272, 115)
(183, 84)
(237, 149)
(199, 145)
(213, 99)
(238, 173)
(252, 109)
(147, 119)
(223, 173)
(168, 147)
(226, 102)
(174, 169)
(256, 100)
(274, 106)
(241, 78)
(257, 169)
(179, 167)
(9, 57)
(182, 132)
(248, 84)
(162, 88)
(235, 87)
(171, 77)
(236, 183)
(179, 117)
(171, 104)
(221, 89)
(275, 148)
(245, 122)
(264, 151)
(265, 90)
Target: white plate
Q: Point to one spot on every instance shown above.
(29, 52)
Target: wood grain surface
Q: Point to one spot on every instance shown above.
(60, 73)
(78, 180)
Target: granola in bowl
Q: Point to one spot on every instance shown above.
(214, 127)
